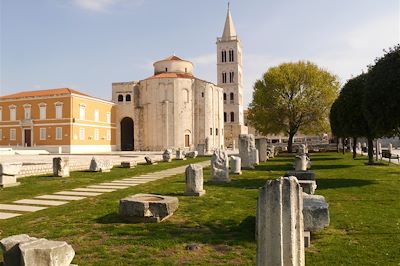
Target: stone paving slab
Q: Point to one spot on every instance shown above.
(136, 181)
(108, 186)
(59, 197)
(41, 202)
(93, 190)
(76, 193)
(22, 208)
(130, 183)
(6, 215)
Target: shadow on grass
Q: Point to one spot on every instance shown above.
(329, 166)
(342, 183)
(325, 159)
(215, 232)
(250, 183)
(280, 167)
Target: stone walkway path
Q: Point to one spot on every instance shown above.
(42, 202)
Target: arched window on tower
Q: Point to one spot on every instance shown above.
(232, 96)
(231, 77)
(231, 57)
(128, 98)
(120, 98)
(224, 97)
(223, 77)
(223, 56)
(232, 117)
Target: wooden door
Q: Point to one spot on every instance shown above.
(187, 141)
(28, 138)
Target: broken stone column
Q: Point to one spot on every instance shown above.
(97, 165)
(301, 163)
(208, 145)
(194, 180)
(192, 154)
(220, 166)
(315, 212)
(236, 165)
(201, 149)
(359, 146)
(390, 148)
(261, 145)
(302, 149)
(180, 154)
(61, 167)
(279, 223)
(46, 252)
(247, 151)
(8, 172)
(167, 155)
(10, 248)
(149, 160)
(128, 164)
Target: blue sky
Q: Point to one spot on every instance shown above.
(88, 44)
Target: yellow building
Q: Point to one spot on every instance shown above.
(50, 119)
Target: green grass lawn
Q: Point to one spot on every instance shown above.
(364, 206)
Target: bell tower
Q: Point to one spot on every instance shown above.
(230, 78)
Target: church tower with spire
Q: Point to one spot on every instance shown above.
(230, 78)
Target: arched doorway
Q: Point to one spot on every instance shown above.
(127, 143)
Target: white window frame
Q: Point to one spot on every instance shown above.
(82, 112)
(13, 112)
(42, 111)
(108, 117)
(96, 115)
(59, 110)
(13, 134)
(58, 133)
(1, 113)
(108, 134)
(82, 133)
(27, 111)
(96, 134)
(1, 134)
(42, 133)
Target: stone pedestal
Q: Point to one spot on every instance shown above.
(201, 149)
(301, 175)
(236, 165)
(128, 164)
(301, 163)
(61, 167)
(315, 212)
(194, 180)
(10, 248)
(180, 154)
(271, 151)
(167, 155)
(192, 154)
(247, 151)
(279, 223)
(308, 186)
(8, 172)
(307, 239)
(220, 167)
(97, 165)
(261, 145)
(147, 208)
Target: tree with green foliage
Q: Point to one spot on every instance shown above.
(292, 97)
(382, 94)
(347, 117)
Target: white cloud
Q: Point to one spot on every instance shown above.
(95, 5)
(207, 59)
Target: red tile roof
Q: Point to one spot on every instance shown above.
(172, 75)
(59, 91)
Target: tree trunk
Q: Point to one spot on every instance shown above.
(290, 143)
(354, 147)
(343, 145)
(370, 151)
(337, 144)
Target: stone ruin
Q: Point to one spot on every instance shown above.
(315, 212)
(302, 149)
(220, 166)
(192, 154)
(236, 165)
(301, 163)
(149, 160)
(8, 173)
(167, 155)
(180, 154)
(247, 151)
(262, 147)
(31, 251)
(147, 208)
(128, 164)
(194, 180)
(279, 223)
(61, 167)
(100, 165)
(201, 149)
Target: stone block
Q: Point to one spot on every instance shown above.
(301, 163)
(307, 239)
(236, 165)
(261, 145)
(8, 181)
(98, 165)
(147, 208)
(46, 252)
(10, 248)
(220, 166)
(315, 212)
(10, 168)
(247, 151)
(61, 167)
(167, 155)
(180, 154)
(192, 154)
(128, 164)
(194, 180)
(301, 175)
(201, 149)
(279, 223)
(149, 160)
(308, 186)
